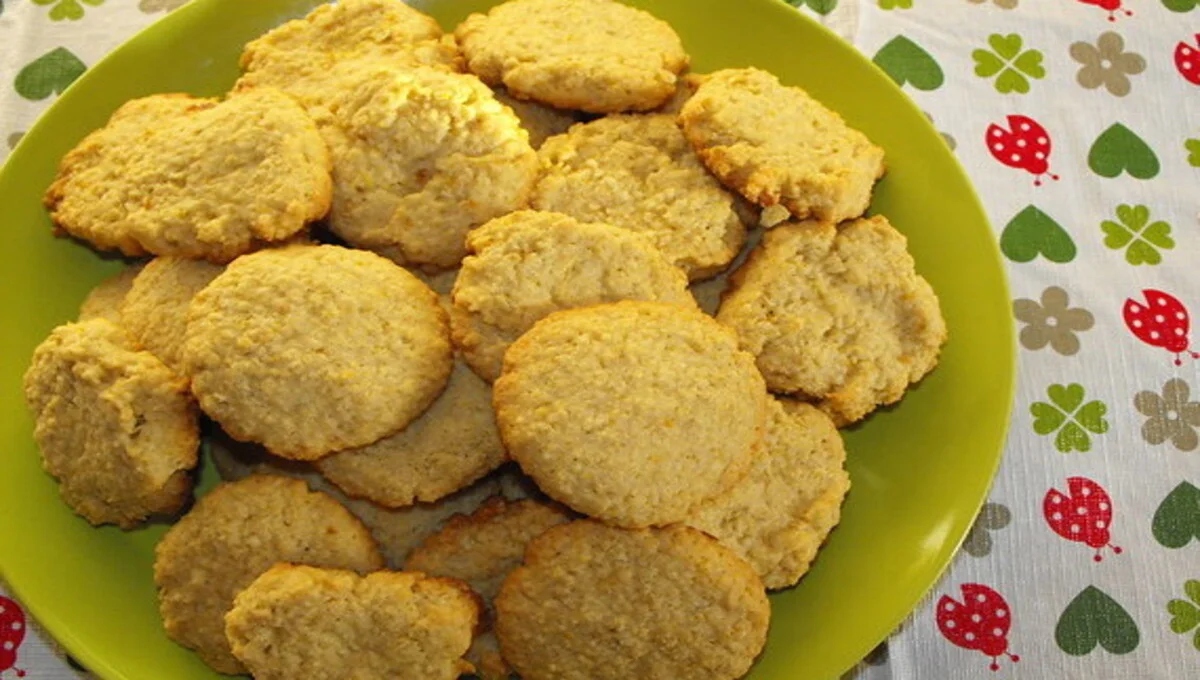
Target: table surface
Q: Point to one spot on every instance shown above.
(1092, 531)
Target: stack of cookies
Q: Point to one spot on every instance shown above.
(521, 350)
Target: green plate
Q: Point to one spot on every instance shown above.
(920, 471)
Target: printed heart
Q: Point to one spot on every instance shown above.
(49, 74)
(1193, 148)
(14, 138)
(1177, 519)
(1184, 615)
(1140, 252)
(1118, 149)
(1005, 46)
(1181, 5)
(1011, 81)
(906, 62)
(1093, 618)
(1031, 233)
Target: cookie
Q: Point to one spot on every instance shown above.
(539, 120)
(594, 602)
(708, 293)
(309, 58)
(611, 409)
(421, 157)
(481, 549)
(154, 312)
(296, 621)
(593, 55)
(452, 444)
(528, 264)
(149, 182)
(778, 515)
(315, 349)
(116, 427)
(396, 530)
(235, 533)
(838, 316)
(684, 89)
(640, 173)
(777, 145)
(105, 299)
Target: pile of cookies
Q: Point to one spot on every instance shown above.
(437, 303)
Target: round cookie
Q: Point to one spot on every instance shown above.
(778, 515)
(539, 120)
(310, 58)
(115, 426)
(154, 312)
(594, 602)
(235, 533)
(296, 621)
(631, 412)
(529, 264)
(776, 144)
(421, 157)
(452, 444)
(838, 316)
(149, 182)
(640, 173)
(315, 349)
(593, 55)
(105, 299)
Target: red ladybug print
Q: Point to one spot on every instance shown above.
(1187, 60)
(1160, 321)
(980, 622)
(1083, 514)
(12, 632)
(1024, 146)
(1112, 6)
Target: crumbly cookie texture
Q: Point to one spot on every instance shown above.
(640, 173)
(105, 299)
(315, 349)
(297, 621)
(421, 157)
(610, 409)
(539, 120)
(148, 182)
(154, 312)
(594, 602)
(529, 264)
(235, 533)
(836, 315)
(312, 57)
(481, 549)
(593, 55)
(777, 145)
(778, 515)
(116, 427)
(452, 444)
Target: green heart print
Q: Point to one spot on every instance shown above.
(1031, 233)
(1118, 149)
(907, 62)
(1093, 618)
(1177, 519)
(1181, 5)
(49, 74)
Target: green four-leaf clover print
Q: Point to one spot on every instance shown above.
(1192, 146)
(1014, 65)
(1070, 417)
(67, 9)
(821, 7)
(895, 4)
(1185, 614)
(1141, 238)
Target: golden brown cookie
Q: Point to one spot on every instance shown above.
(640, 173)
(594, 602)
(421, 157)
(539, 120)
(778, 515)
(529, 264)
(235, 533)
(149, 182)
(315, 349)
(610, 409)
(116, 427)
(105, 299)
(296, 621)
(776, 144)
(593, 55)
(837, 315)
(154, 312)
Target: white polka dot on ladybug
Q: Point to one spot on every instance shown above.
(1086, 491)
(1137, 324)
(1056, 499)
(1180, 315)
(1042, 140)
(1001, 613)
(997, 632)
(1104, 506)
(1154, 335)
(969, 636)
(949, 607)
(1056, 516)
(1081, 510)
(8, 645)
(951, 624)
(976, 618)
(1074, 528)
(16, 625)
(1100, 524)
(981, 598)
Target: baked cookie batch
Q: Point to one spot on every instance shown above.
(435, 303)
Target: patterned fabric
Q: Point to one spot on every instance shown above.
(1079, 123)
